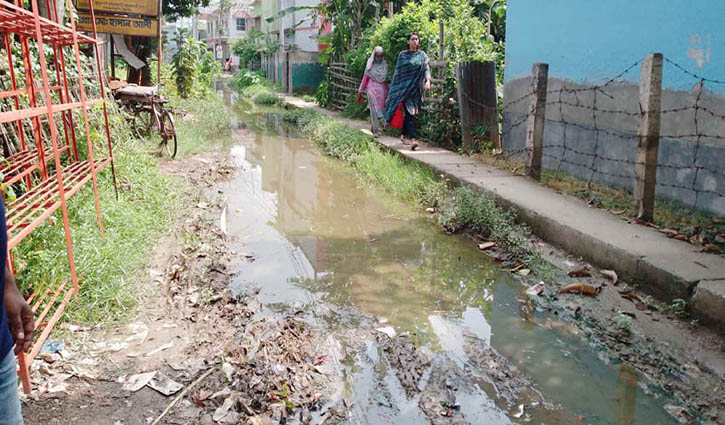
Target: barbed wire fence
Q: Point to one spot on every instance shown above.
(592, 132)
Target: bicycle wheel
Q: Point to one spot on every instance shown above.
(168, 133)
(143, 121)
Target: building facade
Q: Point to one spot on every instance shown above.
(296, 26)
(219, 26)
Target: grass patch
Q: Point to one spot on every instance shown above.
(201, 124)
(109, 266)
(460, 209)
(260, 94)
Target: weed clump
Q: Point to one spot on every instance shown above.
(467, 209)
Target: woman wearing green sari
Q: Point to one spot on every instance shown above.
(411, 78)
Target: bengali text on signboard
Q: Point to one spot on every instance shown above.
(129, 7)
(109, 24)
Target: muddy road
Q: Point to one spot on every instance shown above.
(293, 293)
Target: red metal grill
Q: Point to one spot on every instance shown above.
(46, 101)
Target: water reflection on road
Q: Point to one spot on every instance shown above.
(318, 234)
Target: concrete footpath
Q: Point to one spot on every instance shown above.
(666, 268)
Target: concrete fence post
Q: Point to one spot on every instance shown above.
(648, 136)
(535, 123)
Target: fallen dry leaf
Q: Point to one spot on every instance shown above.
(524, 272)
(580, 288)
(710, 249)
(580, 272)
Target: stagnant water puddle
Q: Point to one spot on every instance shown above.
(319, 236)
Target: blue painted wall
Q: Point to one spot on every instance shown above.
(590, 41)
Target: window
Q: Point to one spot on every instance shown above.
(241, 24)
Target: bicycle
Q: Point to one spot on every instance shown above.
(147, 111)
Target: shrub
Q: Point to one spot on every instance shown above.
(245, 78)
(322, 94)
(392, 36)
(248, 48)
(467, 209)
(193, 66)
(260, 94)
(353, 109)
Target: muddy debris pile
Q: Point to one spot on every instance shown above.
(272, 375)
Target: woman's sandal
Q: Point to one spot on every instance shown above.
(404, 141)
(413, 144)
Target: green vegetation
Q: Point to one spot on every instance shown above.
(261, 94)
(678, 307)
(245, 78)
(355, 110)
(250, 48)
(146, 206)
(468, 209)
(252, 85)
(199, 125)
(473, 31)
(194, 67)
(322, 95)
(460, 209)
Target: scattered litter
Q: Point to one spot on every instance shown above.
(136, 382)
(678, 412)
(202, 205)
(580, 272)
(223, 220)
(52, 346)
(220, 394)
(486, 245)
(222, 410)
(430, 210)
(535, 290)
(520, 412)
(610, 274)
(164, 384)
(118, 347)
(160, 349)
(580, 288)
(228, 370)
(524, 272)
(140, 332)
(387, 330)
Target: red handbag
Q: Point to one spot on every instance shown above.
(397, 121)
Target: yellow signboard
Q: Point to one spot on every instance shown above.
(110, 24)
(129, 7)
